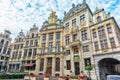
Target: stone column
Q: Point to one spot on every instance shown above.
(54, 41)
(53, 66)
(45, 64)
(97, 70)
(47, 42)
(61, 66)
(37, 66)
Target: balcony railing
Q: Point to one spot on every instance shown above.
(75, 43)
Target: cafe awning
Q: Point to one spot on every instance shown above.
(28, 65)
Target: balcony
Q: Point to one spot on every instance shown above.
(76, 57)
(75, 43)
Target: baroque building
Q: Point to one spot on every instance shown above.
(50, 53)
(5, 49)
(65, 47)
(78, 50)
(30, 49)
(15, 60)
(24, 51)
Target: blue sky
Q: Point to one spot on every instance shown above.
(22, 14)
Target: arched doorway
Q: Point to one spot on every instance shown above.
(108, 66)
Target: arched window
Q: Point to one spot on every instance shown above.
(98, 18)
(6, 44)
(2, 41)
(32, 35)
(57, 64)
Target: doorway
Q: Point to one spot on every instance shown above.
(108, 66)
(77, 68)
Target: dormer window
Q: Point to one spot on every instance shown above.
(74, 22)
(67, 25)
(32, 35)
(98, 18)
(82, 18)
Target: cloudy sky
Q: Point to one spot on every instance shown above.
(22, 14)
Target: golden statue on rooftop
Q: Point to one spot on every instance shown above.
(53, 13)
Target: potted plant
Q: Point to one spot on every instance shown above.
(22, 67)
(89, 68)
(48, 67)
(82, 76)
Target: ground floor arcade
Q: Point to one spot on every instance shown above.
(107, 64)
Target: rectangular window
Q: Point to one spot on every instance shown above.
(32, 35)
(58, 35)
(68, 63)
(20, 53)
(44, 37)
(109, 29)
(84, 35)
(94, 33)
(112, 42)
(9, 51)
(67, 40)
(50, 47)
(41, 64)
(43, 47)
(96, 45)
(34, 52)
(30, 52)
(85, 48)
(75, 49)
(27, 42)
(104, 44)
(87, 62)
(67, 25)
(68, 52)
(101, 31)
(74, 22)
(21, 46)
(4, 50)
(58, 46)
(16, 54)
(31, 43)
(51, 36)
(49, 61)
(82, 18)
(36, 42)
(25, 52)
(74, 37)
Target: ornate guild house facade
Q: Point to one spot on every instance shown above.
(65, 47)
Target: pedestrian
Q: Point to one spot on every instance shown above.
(68, 77)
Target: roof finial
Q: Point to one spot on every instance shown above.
(21, 30)
(34, 25)
(73, 5)
(53, 13)
(84, 1)
(97, 8)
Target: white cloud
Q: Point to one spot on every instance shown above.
(22, 14)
